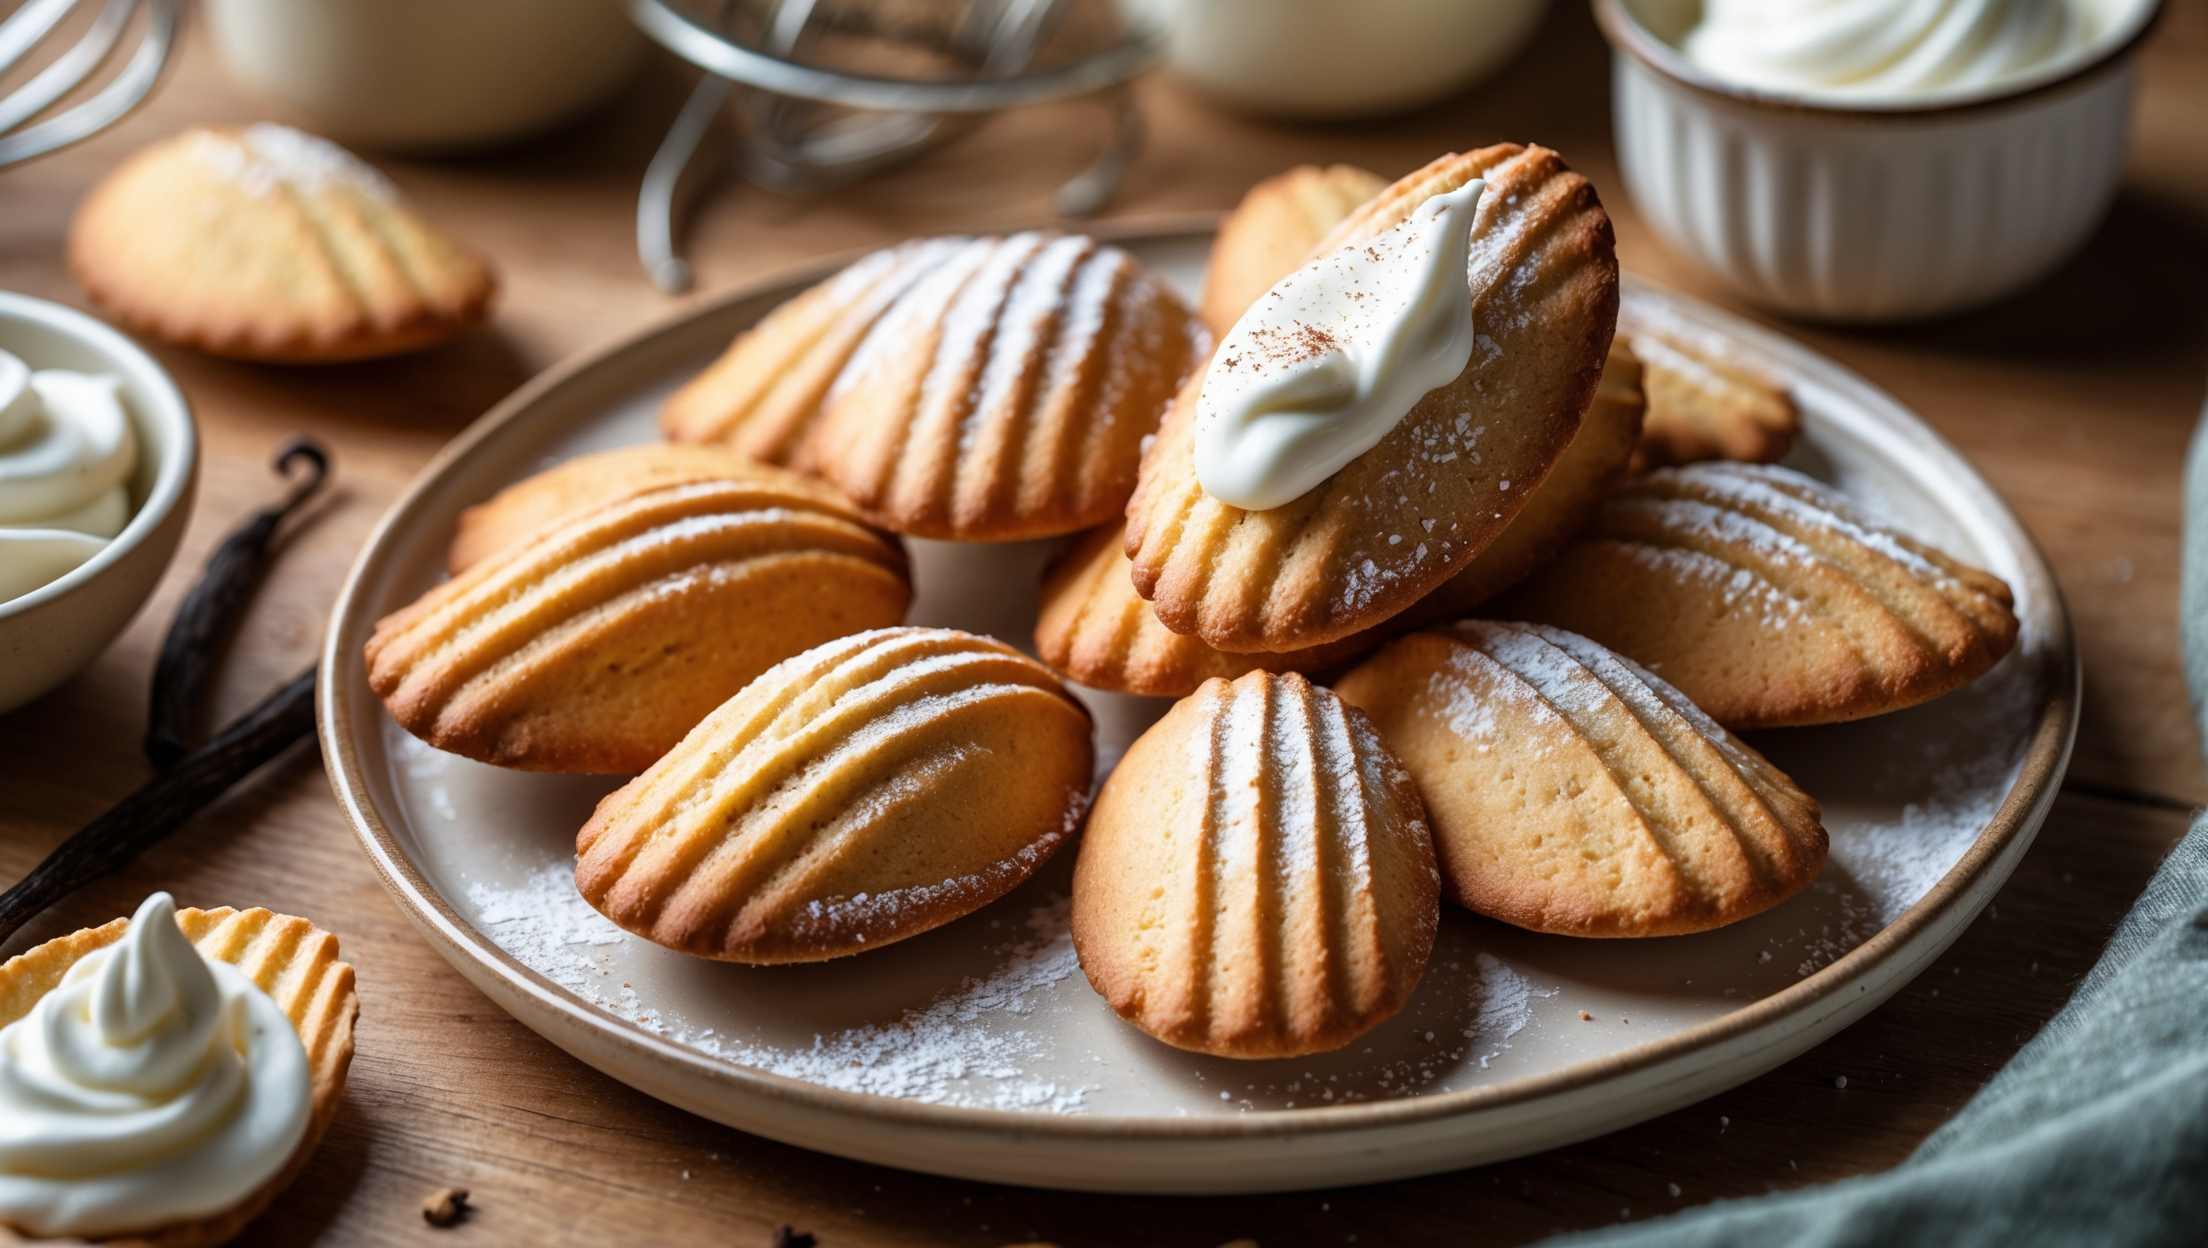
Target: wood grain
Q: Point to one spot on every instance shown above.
(2076, 399)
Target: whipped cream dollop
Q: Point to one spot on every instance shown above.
(66, 451)
(1335, 355)
(152, 1085)
(1890, 48)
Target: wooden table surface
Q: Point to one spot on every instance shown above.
(2075, 398)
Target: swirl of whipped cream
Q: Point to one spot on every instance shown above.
(1335, 355)
(1895, 48)
(66, 450)
(151, 1086)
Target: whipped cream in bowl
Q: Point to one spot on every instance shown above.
(98, 461)
(1884, 48)
(153, 1085)
(66, 453)
(1887, 55)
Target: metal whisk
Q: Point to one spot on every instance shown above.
(24, 132)
(807, 124)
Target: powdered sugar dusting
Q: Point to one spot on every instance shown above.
(557, 934)
(1506, 1007)
(942, 1055)
(1897, 861)
(267, 158)
(1750, 488)
(956, 1050)
(1739, 590)
(1470, 687)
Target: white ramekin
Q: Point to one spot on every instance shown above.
(1875, 213)
(1316, 60)
(427, 75)
(47, 635)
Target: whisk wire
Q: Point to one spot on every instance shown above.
(30, 25)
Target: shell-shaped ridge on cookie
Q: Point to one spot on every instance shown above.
(1771, 600)
(1096, 630)
(265, 243)
(1257, 879)
(1572, 792)
(528, 508)
(1707, 397)
(972, 389)
(596, 645)
(868, 790)
(1409, 513)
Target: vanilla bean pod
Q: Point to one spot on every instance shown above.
(163, 803)
(211, 610)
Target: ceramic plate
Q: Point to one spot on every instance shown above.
(979, 1049)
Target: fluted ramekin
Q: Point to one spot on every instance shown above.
(1868, 213)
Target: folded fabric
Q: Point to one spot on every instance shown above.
(2097, 1131)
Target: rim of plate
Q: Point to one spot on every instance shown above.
(2044, 760)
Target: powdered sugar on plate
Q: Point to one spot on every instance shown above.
(956, 1050)
(555, 933)
(943, 1054)
(1960, 785)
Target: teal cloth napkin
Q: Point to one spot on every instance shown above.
(2097, 1131)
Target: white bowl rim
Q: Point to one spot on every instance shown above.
(2112, 49)
(172, 478)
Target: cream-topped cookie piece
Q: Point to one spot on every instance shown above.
(164, 1076)
(1406, 515)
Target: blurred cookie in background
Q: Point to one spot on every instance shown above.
(266, 243)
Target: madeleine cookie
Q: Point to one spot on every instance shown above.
(1409, 513)
(1272, 232)
(1094, 628)
(1769, 599)
(973, 389)
(595, 646)
(535, 505)
(862, 792)
(1706, 399)
(1256, 879)
(766, 392)
(264, 243)
(1584, 475)
(201, 1148)
(1572, 792)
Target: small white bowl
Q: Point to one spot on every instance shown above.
(47, 635)
(1875, 210)
(427, 75)
(1315, 60)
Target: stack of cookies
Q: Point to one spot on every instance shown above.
(1492, 649)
